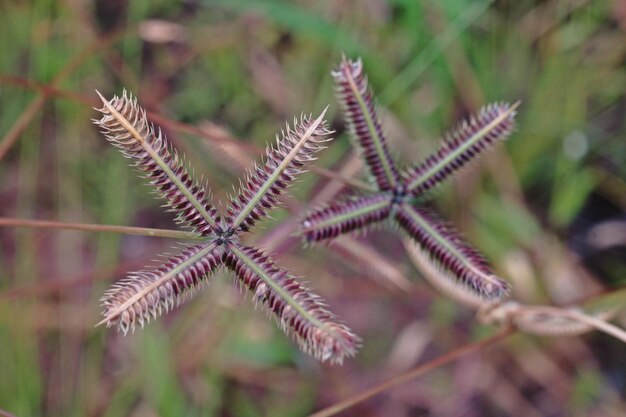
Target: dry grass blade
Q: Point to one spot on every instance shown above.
(299, 312)
(126, 126)
(264, 184)
(144, 295)
(551, 321)
(370, 262)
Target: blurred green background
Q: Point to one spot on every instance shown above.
(547, 207)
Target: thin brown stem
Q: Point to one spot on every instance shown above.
(413, 373)
(33, 108)
(21, 123)
(127, 230)
(47, 89)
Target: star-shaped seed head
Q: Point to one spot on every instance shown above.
(461, 268)
(144, 295)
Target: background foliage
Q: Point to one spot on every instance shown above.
(547, 207)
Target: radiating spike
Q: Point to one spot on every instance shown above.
(299, 312)
(344, 217)
(264, 184)
(457, 260)
(126, 126)
(365, 128)
(146, 294)
(492, 124)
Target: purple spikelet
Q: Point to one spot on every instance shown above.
(126, 126)
(344, 217)
(144, 295)
(299, 312)
(360, 113)
(447, 250)
(264, 184)
(492, 123)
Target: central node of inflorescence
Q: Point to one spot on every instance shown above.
(399, 194)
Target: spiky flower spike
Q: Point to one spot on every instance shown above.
(264, 184)
(342, 217)
(439, 247)
(492, 123)
(445, 249)
(125, 125)
(297, 310)
(142, 296)
(360, 112)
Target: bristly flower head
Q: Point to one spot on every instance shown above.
(438, 243)
(142, 296)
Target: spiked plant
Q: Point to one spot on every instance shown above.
(144, 295)
(459, 265)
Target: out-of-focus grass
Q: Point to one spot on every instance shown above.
(247, 66)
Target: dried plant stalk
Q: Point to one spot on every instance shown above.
(360, 113)
(144, 295)
(264, 184)
(450, 253)
(492, 123)
(299, 312)
(340, 218)
(545, 320)
(126, 126)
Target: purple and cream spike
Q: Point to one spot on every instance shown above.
(145, 295)
(365, 128)
(343, 217)
(454, 266)
(456, 259)
(471, 137)
(142, 296)
(125, 125)
(299, 312)
(264, 184)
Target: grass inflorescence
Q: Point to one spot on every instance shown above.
(398, 191)
(142, 296)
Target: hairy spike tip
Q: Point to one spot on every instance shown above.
(299, 312)
(344, 217)
(284, 161)
(357, 102)
(458, 263)
(125, 125)
(144, 295)
(471, 137)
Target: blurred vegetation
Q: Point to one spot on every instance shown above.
(547, 207)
